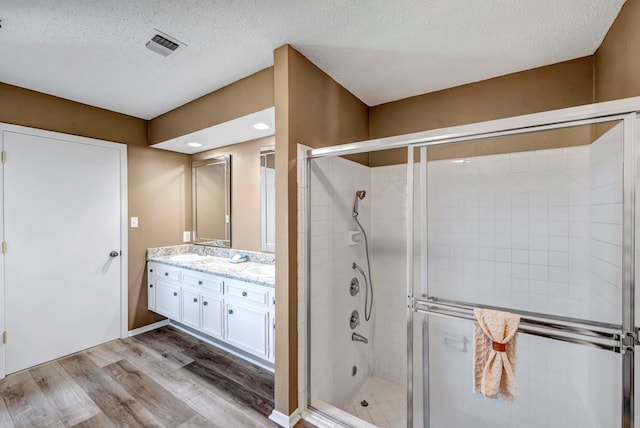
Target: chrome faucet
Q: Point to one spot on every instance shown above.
(359, 338)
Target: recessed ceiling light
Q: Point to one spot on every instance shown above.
(194, 144)
(261, 126)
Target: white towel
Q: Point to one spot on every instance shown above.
(494, 354)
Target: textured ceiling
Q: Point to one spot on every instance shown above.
(381, 50)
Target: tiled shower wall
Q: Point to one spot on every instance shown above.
(536, 231)
(389, 237)
(333, 353)
(522, 230)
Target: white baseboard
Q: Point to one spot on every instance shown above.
(284, 420)
(147, 328)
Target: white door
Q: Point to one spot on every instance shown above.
(62, 219)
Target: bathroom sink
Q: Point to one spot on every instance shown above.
(188, 257)
(264, 271)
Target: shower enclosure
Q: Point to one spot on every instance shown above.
(534, 215)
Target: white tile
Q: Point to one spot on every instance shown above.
(520, 256)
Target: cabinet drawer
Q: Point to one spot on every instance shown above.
(210, 282)
(247, 293)
(166, 272)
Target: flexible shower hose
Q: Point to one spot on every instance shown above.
(368, 303)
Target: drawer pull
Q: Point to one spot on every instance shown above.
(195, 300)
(150, 285)
(199, 282)
(175, 294)
(244, 294)
(205, 303)
(230, 311)
(166, 274)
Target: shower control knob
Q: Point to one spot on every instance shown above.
(354, 321)
(354, 287)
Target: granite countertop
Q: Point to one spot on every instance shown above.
(215, 264)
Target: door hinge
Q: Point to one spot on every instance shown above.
(4, 337)
(629, 340)
(4, 247)
(4, 157)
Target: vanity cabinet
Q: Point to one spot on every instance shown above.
(236, 312)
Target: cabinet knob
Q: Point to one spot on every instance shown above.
(175, 294)
(166, 274)
(244, 294)
(151, 270)
(205, 303)
(199, 282)
(230, 311)
(150, 285)
(195, 300)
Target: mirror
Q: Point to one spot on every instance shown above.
(268, 198)
(211, 189)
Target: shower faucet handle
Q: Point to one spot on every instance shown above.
(354, 320)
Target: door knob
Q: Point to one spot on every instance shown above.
(114, 254)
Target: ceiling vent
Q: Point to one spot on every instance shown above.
(163, 44)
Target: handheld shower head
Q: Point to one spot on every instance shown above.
(360, 194)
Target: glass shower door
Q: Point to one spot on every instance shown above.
(533, 223)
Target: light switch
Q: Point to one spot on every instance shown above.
(186, 236)
(134, 222)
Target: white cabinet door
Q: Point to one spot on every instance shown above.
(151, 294)
(212, 315)
(248, 328)
(167, 299)
(190, 308)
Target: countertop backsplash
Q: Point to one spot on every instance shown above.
(252, 256)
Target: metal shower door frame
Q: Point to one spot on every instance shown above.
(620, 339)
(625, 110)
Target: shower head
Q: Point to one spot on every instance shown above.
(360, 194)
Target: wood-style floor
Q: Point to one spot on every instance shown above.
(163, 378)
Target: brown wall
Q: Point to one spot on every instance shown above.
(248, 95)
(561, 85)
(311, 109)
(24, 107)
(617, 61)
(159, 194)
(245, 190)
(157, 180)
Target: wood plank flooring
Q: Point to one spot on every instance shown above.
(163, 378)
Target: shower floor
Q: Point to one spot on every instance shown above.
(387, 403)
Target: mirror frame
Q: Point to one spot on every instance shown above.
(212, 242)
(266, 246)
